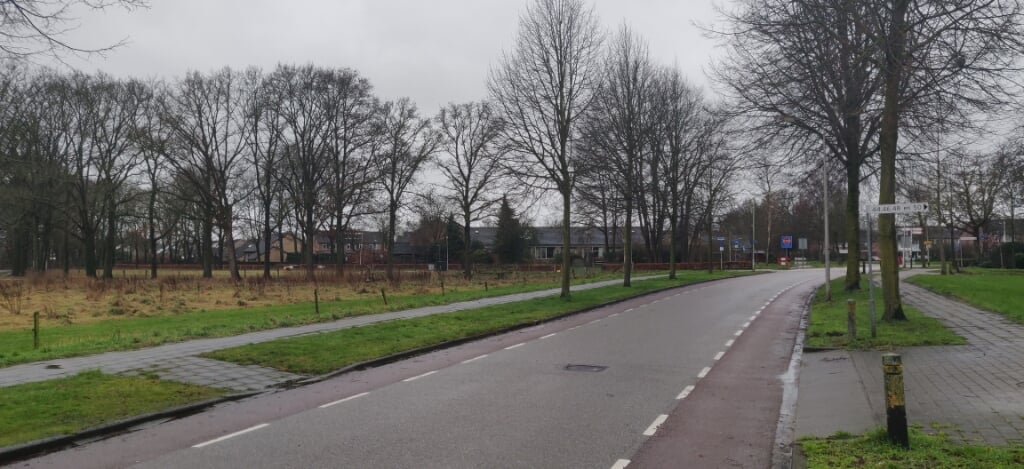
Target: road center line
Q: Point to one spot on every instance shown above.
(474, 358)
(704, 372)
(719, 355)
(549, 335)
(686, 392)
(231, 435)
(621, 464)
(654, 426)
(510, 347)
(339, 401)
(414, 378)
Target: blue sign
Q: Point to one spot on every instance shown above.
(787, 242)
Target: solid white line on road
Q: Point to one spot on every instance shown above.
(719, 355)
(728, 343)
(231, 435)
(621, 464)
(510, 347)
(549, 335)
(738, 333)
(704, 372)
(414, 378)
(686, 392)
(474, 358)
(654, 426)
(339, 401)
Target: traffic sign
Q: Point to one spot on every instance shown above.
(910, 207)
(787, 242)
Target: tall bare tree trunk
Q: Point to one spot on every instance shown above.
(888, 147)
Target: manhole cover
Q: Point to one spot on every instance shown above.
(587, 368)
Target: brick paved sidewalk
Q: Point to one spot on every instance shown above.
(179, 361)
(973, 392)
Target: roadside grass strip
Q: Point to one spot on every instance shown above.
(826, 327)
(322, 353)
(16, 346)
(65, 406)
(873, 449)
(998, 291)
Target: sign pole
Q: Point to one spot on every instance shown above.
(871, 284)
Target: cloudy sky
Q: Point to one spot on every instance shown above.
(434, 51)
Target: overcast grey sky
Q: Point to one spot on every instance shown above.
(434, 51)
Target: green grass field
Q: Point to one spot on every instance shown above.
(322, 353)
(16, 346)
(64, 406)
(873, 450)
(827, 325)
(1000, 291)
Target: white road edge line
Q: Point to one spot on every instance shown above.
(510, 347)
(719, 355)
(686, 392)
(628, 310)
(414, 378)
(746, 324)
(231, 435)
(654, 426)
(752, 318)
(621, 464)
(339, 401)
(613, 315)
(729, 343)
(474, 359)
(738, 333)
(549, 335)
(704, 372)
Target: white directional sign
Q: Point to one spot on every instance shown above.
(909, 207)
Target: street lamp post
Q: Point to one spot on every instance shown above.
(753, 232)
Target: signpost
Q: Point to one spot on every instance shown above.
(910, 207)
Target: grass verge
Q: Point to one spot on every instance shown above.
(64, 406)
(128, 334)
(323, 353)
(827, 325)
(999, 291)
(873, 449)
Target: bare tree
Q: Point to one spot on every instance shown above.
(304, 105)
(471, 163)
(808, 70)
(407, 142)
(544, 87)
(265, 128)
(33, 27)
(620, 125)
(677, 118)
(352, 109)
(205, 116)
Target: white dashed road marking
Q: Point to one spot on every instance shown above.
(231, 435)
(654, 426)
(704, 372)
(620, 464)
(339, 401)
(510, 347)
(686, 392)
(474, 358)
(414, 378)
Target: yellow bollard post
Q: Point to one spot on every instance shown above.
(895, 400)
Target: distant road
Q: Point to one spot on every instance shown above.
(511, 401)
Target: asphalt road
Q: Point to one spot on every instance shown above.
(508, 401)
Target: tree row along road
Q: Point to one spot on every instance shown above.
(507, 401)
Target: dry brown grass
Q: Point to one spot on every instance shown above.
(77, 299)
